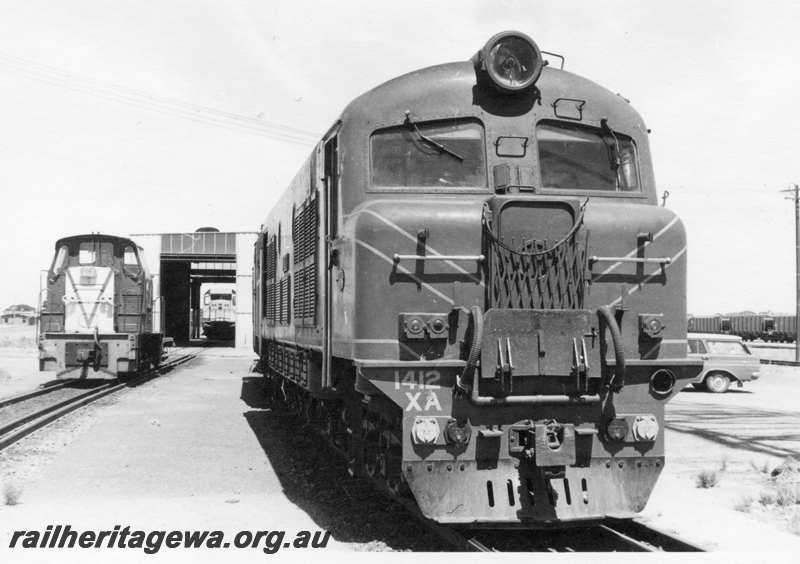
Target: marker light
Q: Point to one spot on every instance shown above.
(512, 60)
(654, 325)
(457, 434)
(617, 429)
(425, 430)
(645, 428)
(437, 326)
(415, 326)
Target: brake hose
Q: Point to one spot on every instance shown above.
(618, 380)
(475, 345)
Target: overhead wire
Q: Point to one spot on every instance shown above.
(162, 105)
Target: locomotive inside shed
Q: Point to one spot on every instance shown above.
(187, 266)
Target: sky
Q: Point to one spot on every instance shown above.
(144, 116)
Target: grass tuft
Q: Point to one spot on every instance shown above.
(706, 479)
(744, 504)
(785, 495)
(766, 497)
(11, 494)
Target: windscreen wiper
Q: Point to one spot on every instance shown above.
(430, 141)
(614, 153)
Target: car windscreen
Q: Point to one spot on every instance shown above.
(442, 154)
(726, 347)
(577, 157)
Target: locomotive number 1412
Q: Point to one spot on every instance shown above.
(422, 385)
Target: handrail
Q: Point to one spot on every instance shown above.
(397, 257)
(642, 260)
(480, 400)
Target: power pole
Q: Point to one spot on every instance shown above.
(796, 199)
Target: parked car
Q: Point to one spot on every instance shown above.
(726, 359)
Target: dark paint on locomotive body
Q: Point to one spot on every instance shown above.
(399, 323)
(96, 320)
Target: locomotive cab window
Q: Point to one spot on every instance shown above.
(95, 254)
(434, 154)
(130, 262)
(59, 262)
(576, 157)
(129, 257)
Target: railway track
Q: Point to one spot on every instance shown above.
(628, 535)
(617, 535)
(23, 414)
(780, 362)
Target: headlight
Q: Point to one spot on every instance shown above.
(512, 60)
(645, 428)
(425, 430)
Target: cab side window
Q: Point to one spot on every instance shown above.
(130, 262)
(696, 346)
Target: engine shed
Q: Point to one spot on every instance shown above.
(183, 263)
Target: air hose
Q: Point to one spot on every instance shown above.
(604, 313)
(475, 345)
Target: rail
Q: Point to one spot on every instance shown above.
(22, 426)
(779, 362)
(608, 536)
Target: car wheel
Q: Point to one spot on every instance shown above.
(717, 383)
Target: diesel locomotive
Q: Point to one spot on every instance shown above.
(470, 289)
(96, 314)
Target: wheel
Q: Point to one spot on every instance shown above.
(717, 382)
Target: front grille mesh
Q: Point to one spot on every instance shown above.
(535, 276)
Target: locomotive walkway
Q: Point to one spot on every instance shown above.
(176, 453)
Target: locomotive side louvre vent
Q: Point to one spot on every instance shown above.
(284, 300)
(270, 269)
(533, 273)
(305, 235)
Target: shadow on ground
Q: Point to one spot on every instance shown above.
(761, 431)
(315, 478)
(693, 390)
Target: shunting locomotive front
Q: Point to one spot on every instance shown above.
(96, 310)
(501, 300)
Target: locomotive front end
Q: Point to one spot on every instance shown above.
(540, 328)
(95, 314)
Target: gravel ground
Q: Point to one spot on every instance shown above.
(218, 457)
(215, 459)
(19, 361)
(737, 439)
